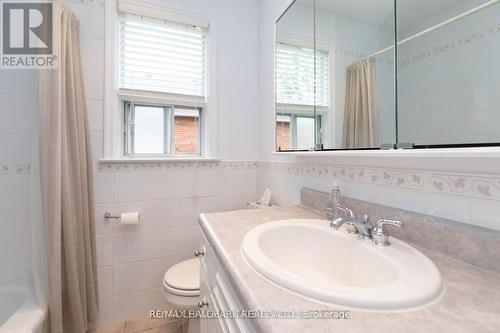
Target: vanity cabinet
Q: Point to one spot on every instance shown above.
(218, 297)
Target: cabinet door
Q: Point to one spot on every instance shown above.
(215, 287)
(204, 295)
(211, 325)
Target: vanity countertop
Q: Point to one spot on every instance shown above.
(471, 302)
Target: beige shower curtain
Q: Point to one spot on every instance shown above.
(360, 116)
(66, 171)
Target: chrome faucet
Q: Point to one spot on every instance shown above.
(377, 233)
(362, 227)
(332, 211)
(380, 235)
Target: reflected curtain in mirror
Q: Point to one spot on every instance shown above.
(360, 118)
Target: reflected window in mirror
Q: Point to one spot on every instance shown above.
(348, 47)
(301, 103)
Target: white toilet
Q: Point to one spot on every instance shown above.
(181, 284)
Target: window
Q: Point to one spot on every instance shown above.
(159, 129)
(295, 85)
(295, 75)
(162, 81)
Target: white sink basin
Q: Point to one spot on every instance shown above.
(314, 260)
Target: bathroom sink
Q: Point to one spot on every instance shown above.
(327, 265)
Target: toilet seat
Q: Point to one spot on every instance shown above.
(184, 275)
(181, 292)
(181, 282)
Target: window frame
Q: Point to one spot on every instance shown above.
(113, 129)
(169, 149)
(318, 125)
(320, 111)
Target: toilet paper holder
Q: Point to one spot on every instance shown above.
(109, 216)
(124, 218)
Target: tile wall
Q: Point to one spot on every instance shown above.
(132, 259)
(17, 100)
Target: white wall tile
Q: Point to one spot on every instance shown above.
(188, 183)
(104, 249)
(15, 242)
(286, 191)
(204, 183)
(245, 181)
(102, 225)
(215, 182)
(129, 306)
(240, 201)
(17, 82)
(484, 213)
(142, 275)
(441, 205)
(145, 186)
(14, 192)
(190, 239)
(156, 300)
(20, 152)
(103, 187)
(16, 111)
(104, 280)
(134, 246)
(129, 278)
(190, 208)
(153, 215)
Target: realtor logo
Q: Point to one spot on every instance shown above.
(27, 35)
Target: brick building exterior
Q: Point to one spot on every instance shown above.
(186, 135)
(283, 135)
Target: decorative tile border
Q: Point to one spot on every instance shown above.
(451, 45)
(93, 3)
(359, 55)
(470, 185)
(14, 169)
(173, 166)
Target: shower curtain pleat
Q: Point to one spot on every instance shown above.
(67, 187)
(360, 128)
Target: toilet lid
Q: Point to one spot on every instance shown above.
(184, 275)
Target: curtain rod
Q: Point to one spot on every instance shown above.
(435, 27)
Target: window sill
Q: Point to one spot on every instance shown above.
(158, 160)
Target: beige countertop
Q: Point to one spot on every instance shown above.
(471, 301)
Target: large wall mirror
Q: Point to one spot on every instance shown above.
(342, 84)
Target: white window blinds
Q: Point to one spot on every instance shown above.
(295, 75)
(156, 55)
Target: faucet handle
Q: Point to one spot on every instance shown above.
(380, 234)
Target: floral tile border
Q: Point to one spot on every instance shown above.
(91, 3)
(174, 166)
(14, 169)
(485, 32)
(470, 185)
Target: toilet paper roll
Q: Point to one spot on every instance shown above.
(129, 218)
